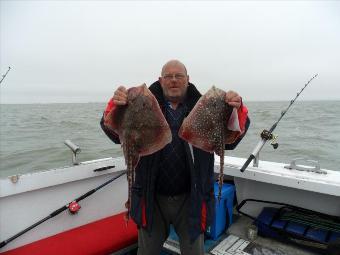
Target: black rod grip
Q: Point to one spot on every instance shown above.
(3, 243)
(251, 157)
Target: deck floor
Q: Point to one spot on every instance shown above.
(261, 245)
(237, 234)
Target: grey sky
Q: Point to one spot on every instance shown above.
(80, 51)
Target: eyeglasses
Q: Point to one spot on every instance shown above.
(178, 76)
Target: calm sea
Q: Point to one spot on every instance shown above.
(32, 135)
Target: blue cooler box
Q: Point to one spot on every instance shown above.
(223, 211)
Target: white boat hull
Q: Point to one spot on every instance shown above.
(271, 181)
(34, 196)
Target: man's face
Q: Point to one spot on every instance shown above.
(174, 82)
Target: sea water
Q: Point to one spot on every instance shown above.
(32, 135)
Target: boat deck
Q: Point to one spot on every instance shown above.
(261, 245)
(235, 242)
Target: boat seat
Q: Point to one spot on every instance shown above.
(102, 237)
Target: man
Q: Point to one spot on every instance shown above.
(174, 185)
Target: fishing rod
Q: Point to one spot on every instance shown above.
(268, 135)
(4, 75)
(72, 206)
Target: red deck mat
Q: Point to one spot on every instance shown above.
(96, 238)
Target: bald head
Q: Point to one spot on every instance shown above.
(174, 81)
(174, 63)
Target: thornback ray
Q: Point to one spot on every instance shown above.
(206, 126)
(141, 127)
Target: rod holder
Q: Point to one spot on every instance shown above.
(256, 160)
(75, 149)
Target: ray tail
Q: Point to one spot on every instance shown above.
(220, 176)
(129, 177)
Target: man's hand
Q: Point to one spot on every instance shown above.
(120, 96)
(233, 99)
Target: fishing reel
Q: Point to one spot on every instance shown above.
(269, 136)
(73, 207)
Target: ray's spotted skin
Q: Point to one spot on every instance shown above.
(141, 127)
(206, 126)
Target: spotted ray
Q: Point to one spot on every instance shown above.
(141, 127)
(206, 126)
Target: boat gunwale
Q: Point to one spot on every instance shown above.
(52, 177)
(275, 173)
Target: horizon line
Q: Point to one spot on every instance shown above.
(104, 102)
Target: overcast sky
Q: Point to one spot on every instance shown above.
(80, 51)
